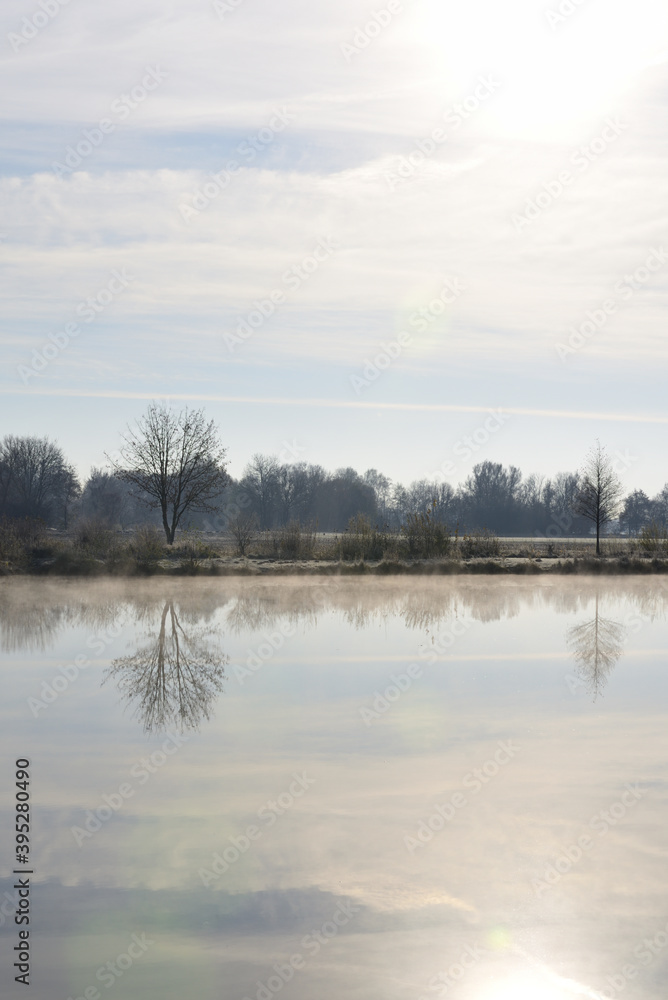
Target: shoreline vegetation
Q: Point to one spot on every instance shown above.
(91, 550)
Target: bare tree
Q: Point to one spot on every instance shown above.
(243, 529)
(597, 645)
(261, 482)
(106, 499)
(173, 680)
(175, 463)
(636, 512)
(35, 479)
(599, 493)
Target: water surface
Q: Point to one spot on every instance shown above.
(337, 788)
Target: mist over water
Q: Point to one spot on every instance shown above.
(325, 787)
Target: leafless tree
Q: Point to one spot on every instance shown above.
(261, 482)
(106, 499)
(243, 529)
(597, 645)
(35, 480)
(174, 462)
(174, 679)
(599, 493)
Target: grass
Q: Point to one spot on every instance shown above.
(91, 549)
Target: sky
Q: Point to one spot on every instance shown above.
(409, 235)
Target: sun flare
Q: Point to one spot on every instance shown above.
(553, 76)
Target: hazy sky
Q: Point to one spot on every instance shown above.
(500, 167)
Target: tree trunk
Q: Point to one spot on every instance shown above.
(165, 523)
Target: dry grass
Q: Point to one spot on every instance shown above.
(92, 549)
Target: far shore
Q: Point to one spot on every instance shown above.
(98, 552)
(263, 567)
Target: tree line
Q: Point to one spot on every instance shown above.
(172, 472)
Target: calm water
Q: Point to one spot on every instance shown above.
(339, 789)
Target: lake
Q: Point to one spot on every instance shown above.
(322, 788)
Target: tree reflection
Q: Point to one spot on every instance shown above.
(597, 645)
(174, 679)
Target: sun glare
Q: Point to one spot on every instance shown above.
(539, 983)
(553, 76)
(524, 989)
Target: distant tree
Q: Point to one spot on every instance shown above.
(261, 481)
(635, 512)
(659, 507)
(175, 463)
(340, 497)
(67, 493)
(490, 497)
(382, 487)
(599, 492)
(106, 499)
(36, 481)
(558, 497)
(421, 496)
(243, 529)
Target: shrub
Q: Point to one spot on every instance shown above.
(193, 549)
(22, 539)
(294, 541)
(654, 539)
(96, 540)
(480, 543)
(426, 537)
(147, 545)
(13, 550)
(362, 541)
(243, 530)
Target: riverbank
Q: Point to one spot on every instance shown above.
(226, 567)
(92, 551)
